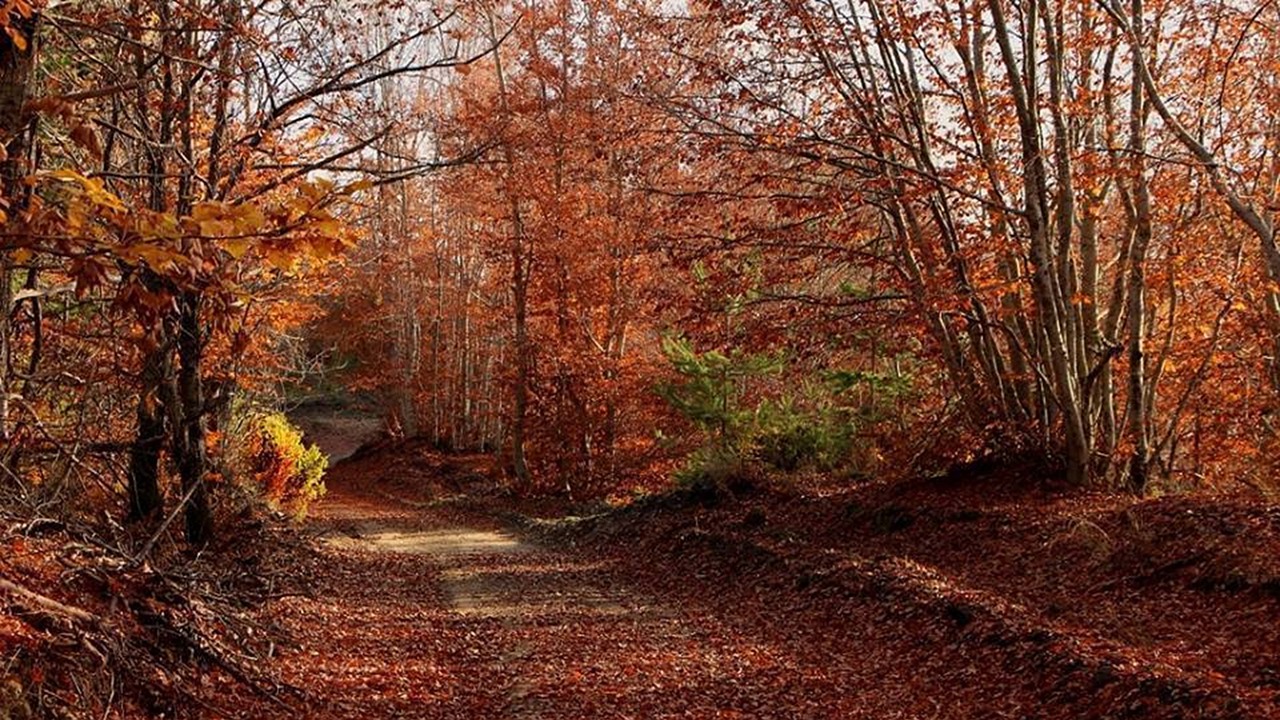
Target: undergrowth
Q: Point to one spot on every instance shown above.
(267, 453)
(747, 421)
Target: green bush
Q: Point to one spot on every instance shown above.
(814, 427)
(712, 388)
(790, 435)
(710, 466)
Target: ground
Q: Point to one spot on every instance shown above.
(431, 597)
(418, 588)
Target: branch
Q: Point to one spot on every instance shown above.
(49, 604)
(336, 84)
(1242, 209)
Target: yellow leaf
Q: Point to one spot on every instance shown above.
(153, 256)
(19, 41)
(208, 211)
(322, 248)
(160, 226)
(317, 188)
(250, 218)
(93, 188)
(328, 228)
(212, 228)
(237, 247)
(358, 186)
(280, 258)
(75, 216)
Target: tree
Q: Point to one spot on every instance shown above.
(19, 23)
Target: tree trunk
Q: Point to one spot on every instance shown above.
(1138, 408)
(1047, 282)
(144, 456)
(191, 454)
(16, 65)
(150, 434)
(519, 290)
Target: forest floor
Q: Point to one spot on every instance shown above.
(429, 595)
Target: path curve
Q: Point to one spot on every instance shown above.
(428, 612)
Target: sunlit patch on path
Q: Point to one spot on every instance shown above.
(448, 542)
(493, 587)
(419, 613)
(486, 573)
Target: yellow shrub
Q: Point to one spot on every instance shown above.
(288, 473)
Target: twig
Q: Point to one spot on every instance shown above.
(47, 603)
(146, 548)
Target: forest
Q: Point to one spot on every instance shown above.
(639, 359)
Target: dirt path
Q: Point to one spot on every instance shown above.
(420, 611)
(424, 613)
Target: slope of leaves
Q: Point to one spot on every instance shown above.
(95, 623)
(1109, 607)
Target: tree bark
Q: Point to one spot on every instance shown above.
(519, 292)
(1046, 280)
(150, 433)
(144, 455)
(191, 453)
(1138, 408)
(16, 65)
